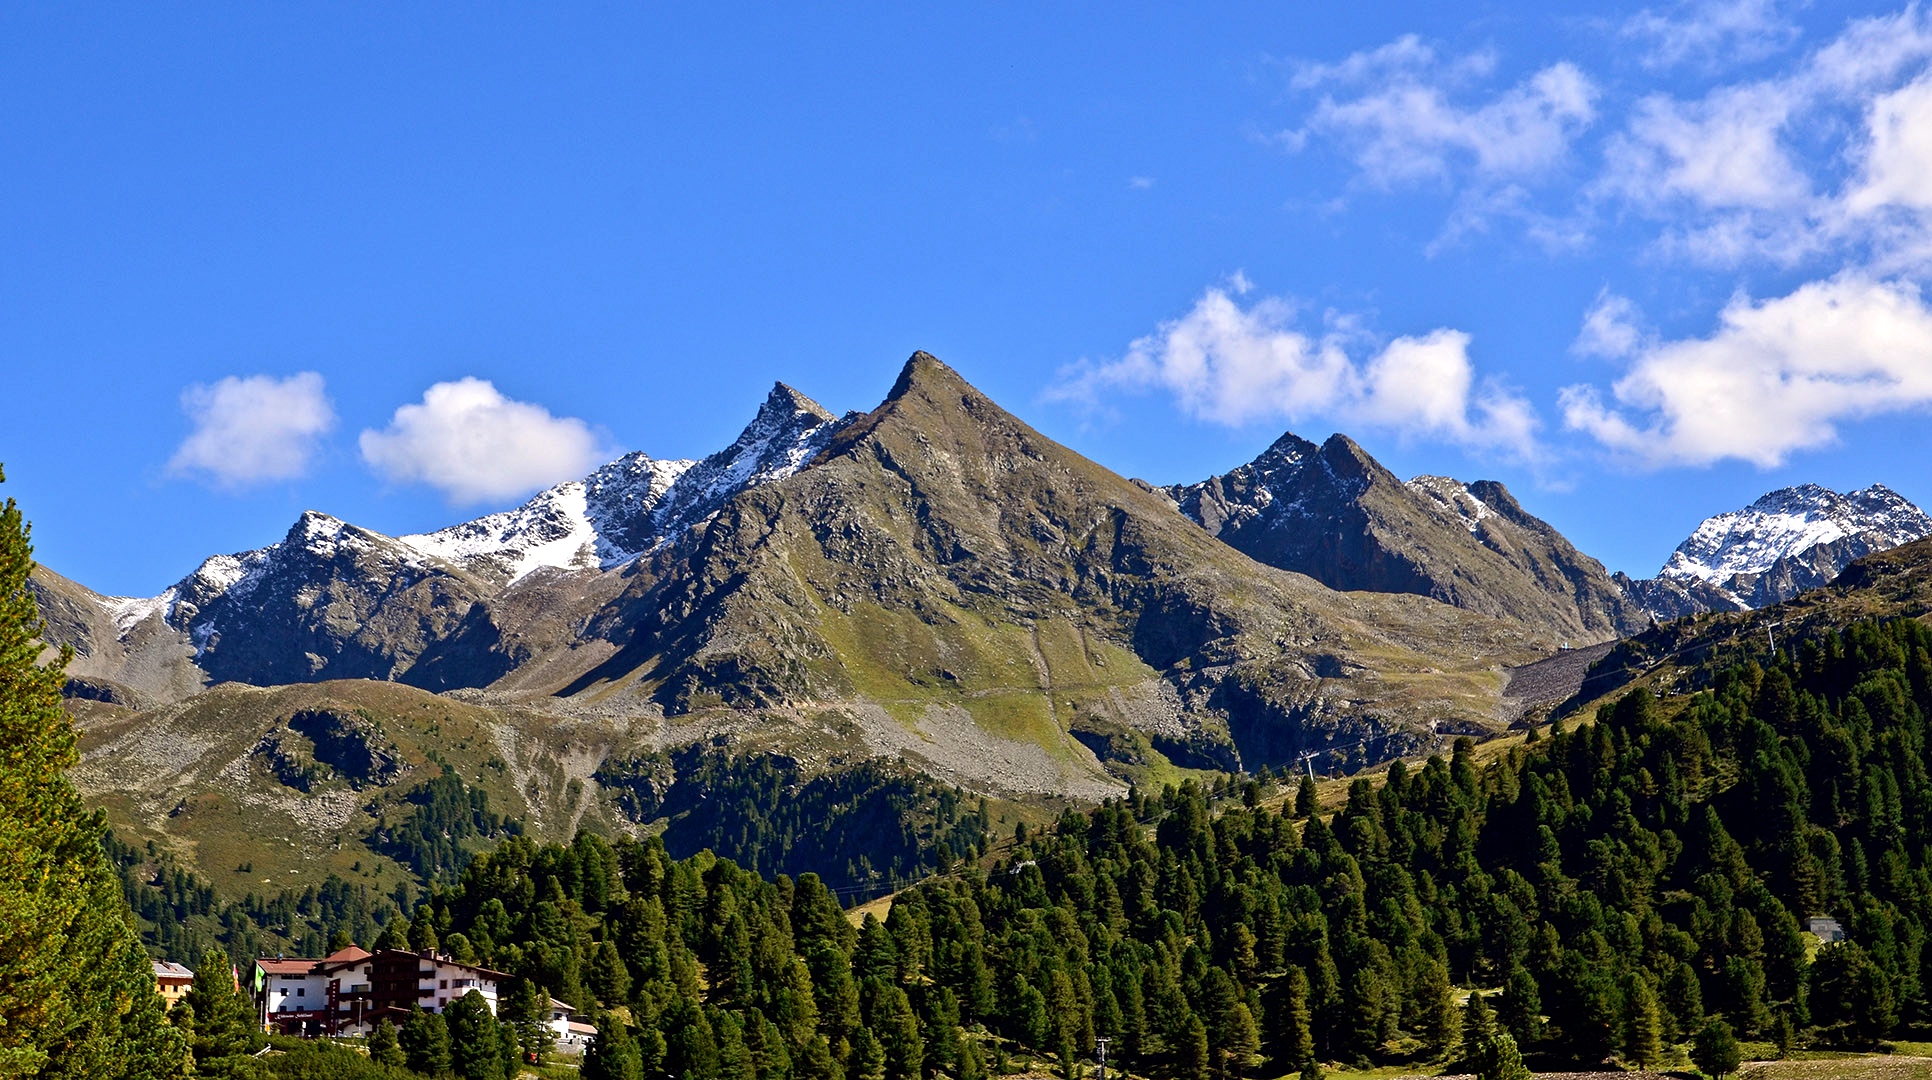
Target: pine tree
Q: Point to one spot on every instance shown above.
(425, 1043)
(1192, 1053)
(528, 1008)
(384, 1049)
(868, 1057)
(1715, 1050)
(225, 1032)
(608, 977)
(77, 995)
(475, 1050)
(612, 1054)
(1520, 1007)
(395, 935)
(814, 1061)
(1295, 1024)
(1478, 1030)
(1307, 799)
(1441, 1022)
(1643, 1034)
(1502, 1060)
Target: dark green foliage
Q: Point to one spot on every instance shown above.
(425, 1043)
(440, 834)
(384, 1048)
(77, 995)
(220, 1021)
(1625, 885)
(527, 1008)
(870, 824)
(314, 1060)
(613, 1055)
(476, 1049)
(1715, 1050)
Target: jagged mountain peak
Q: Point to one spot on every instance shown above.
(1785, 542)
(1335, 513)
(1789, 521)
(925, 372)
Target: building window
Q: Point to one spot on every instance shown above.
(301, 991)
(444, 985)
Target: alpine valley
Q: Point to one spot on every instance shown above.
(908, 625)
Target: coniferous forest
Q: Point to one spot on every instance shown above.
(1632, 889)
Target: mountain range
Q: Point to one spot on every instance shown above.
(932, 583)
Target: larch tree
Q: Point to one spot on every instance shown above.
(77, 993)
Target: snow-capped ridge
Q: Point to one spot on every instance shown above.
(1790, 521)
(1788, 541)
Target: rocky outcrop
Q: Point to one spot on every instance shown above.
(1334, 513)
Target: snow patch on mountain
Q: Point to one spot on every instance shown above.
(637, 503)
(789, 430)
(129, 612)
(1453, 499)
(1789, 522)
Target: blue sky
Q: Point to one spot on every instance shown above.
(1642, 263)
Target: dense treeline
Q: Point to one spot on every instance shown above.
(1623, 890)
(1618, 890)
(447, 819)
(868, 826)
(180, 917)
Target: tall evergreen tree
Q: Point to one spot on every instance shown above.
(612, 1054)
(1643, 1038)
(425, 1043)
(225, 1034)
(475, 1047)
(384, 1047)
(77, 996)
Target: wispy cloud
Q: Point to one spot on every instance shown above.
(1610, 328)
(1407, 128)
(470, 442)
(1404, 115)
(253, 430)
(1236, 365)
(1734, 176)
(1713, 33)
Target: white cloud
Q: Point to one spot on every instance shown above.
(1610, 328)
(468, 440)
(1721, 152)
(1406, 129)
(1741, 174)
(1715, 32)
(1233, 365)
(1898, 156)
(253, 430)
(1777, 376)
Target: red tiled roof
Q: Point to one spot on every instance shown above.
(286, 965)
(344, 957)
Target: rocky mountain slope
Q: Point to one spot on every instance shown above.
(945, 564)
(331, 600)
(1789, 541)
(1681, 656)
(932, 582)
(1334, 513)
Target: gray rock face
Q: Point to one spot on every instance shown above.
(442, 610)
(1334, 513)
